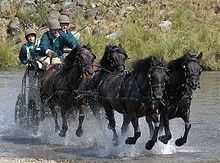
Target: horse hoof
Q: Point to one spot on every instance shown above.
(149, 145)
(130, 140)
(180, 142)
(164, 139)
(79, 132)
(62, 134)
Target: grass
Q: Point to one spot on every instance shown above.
(8, 55)
(195, 27)
(192, 29)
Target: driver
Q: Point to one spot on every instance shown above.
(52, 43)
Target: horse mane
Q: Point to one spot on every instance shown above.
(177, 63)
(70, 58)
(143, 65)
(109, 49)
(75, 52)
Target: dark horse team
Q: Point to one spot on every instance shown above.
(153, 89)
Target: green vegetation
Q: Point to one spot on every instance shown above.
(195, 29)
(8, 55)
(195, 26)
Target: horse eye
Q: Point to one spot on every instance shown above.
(184, 66)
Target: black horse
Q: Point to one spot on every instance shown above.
(58, 85)
(136, 94)
(184, 77)
(112, 62)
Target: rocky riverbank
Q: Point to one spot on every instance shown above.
(145, 27)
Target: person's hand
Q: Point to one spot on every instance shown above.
(50, 53)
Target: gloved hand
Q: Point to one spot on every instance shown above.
(51, 53)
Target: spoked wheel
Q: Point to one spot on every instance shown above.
(34, 116)
(20, 111)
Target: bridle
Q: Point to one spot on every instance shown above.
(151, 86)
(83, 65)
(188, 75)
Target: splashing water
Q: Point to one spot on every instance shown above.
(96, 142)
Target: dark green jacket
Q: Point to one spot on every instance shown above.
(48, 41)
(69, 36)
(28, 52)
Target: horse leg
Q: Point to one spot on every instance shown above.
(79, 130)
(54, 113)
(94, 108)
(137, 132)
(165, 123)
(150, 125)
(183, 140)
(64, 121)
(110, 116)
(125, 124)
(149, 145)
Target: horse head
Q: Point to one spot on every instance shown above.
(192, 69)
(114, 58)
(82, 56)
(154, 72)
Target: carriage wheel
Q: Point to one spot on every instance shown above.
(20, 115)
(33, 116)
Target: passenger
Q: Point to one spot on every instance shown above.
(30, 48)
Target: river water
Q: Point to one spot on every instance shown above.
(95, 145)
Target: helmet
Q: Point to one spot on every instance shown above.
(54, 24)
(64, 19)
(29, 32)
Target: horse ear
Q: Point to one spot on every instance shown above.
(199, 57)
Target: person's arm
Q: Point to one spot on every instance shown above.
(69, 40)
(44, 45)
(23, 55)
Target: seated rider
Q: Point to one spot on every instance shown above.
(65, 26)
(30, 49)
(28, 54)
(53, 42)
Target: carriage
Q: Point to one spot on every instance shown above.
(28, 108)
